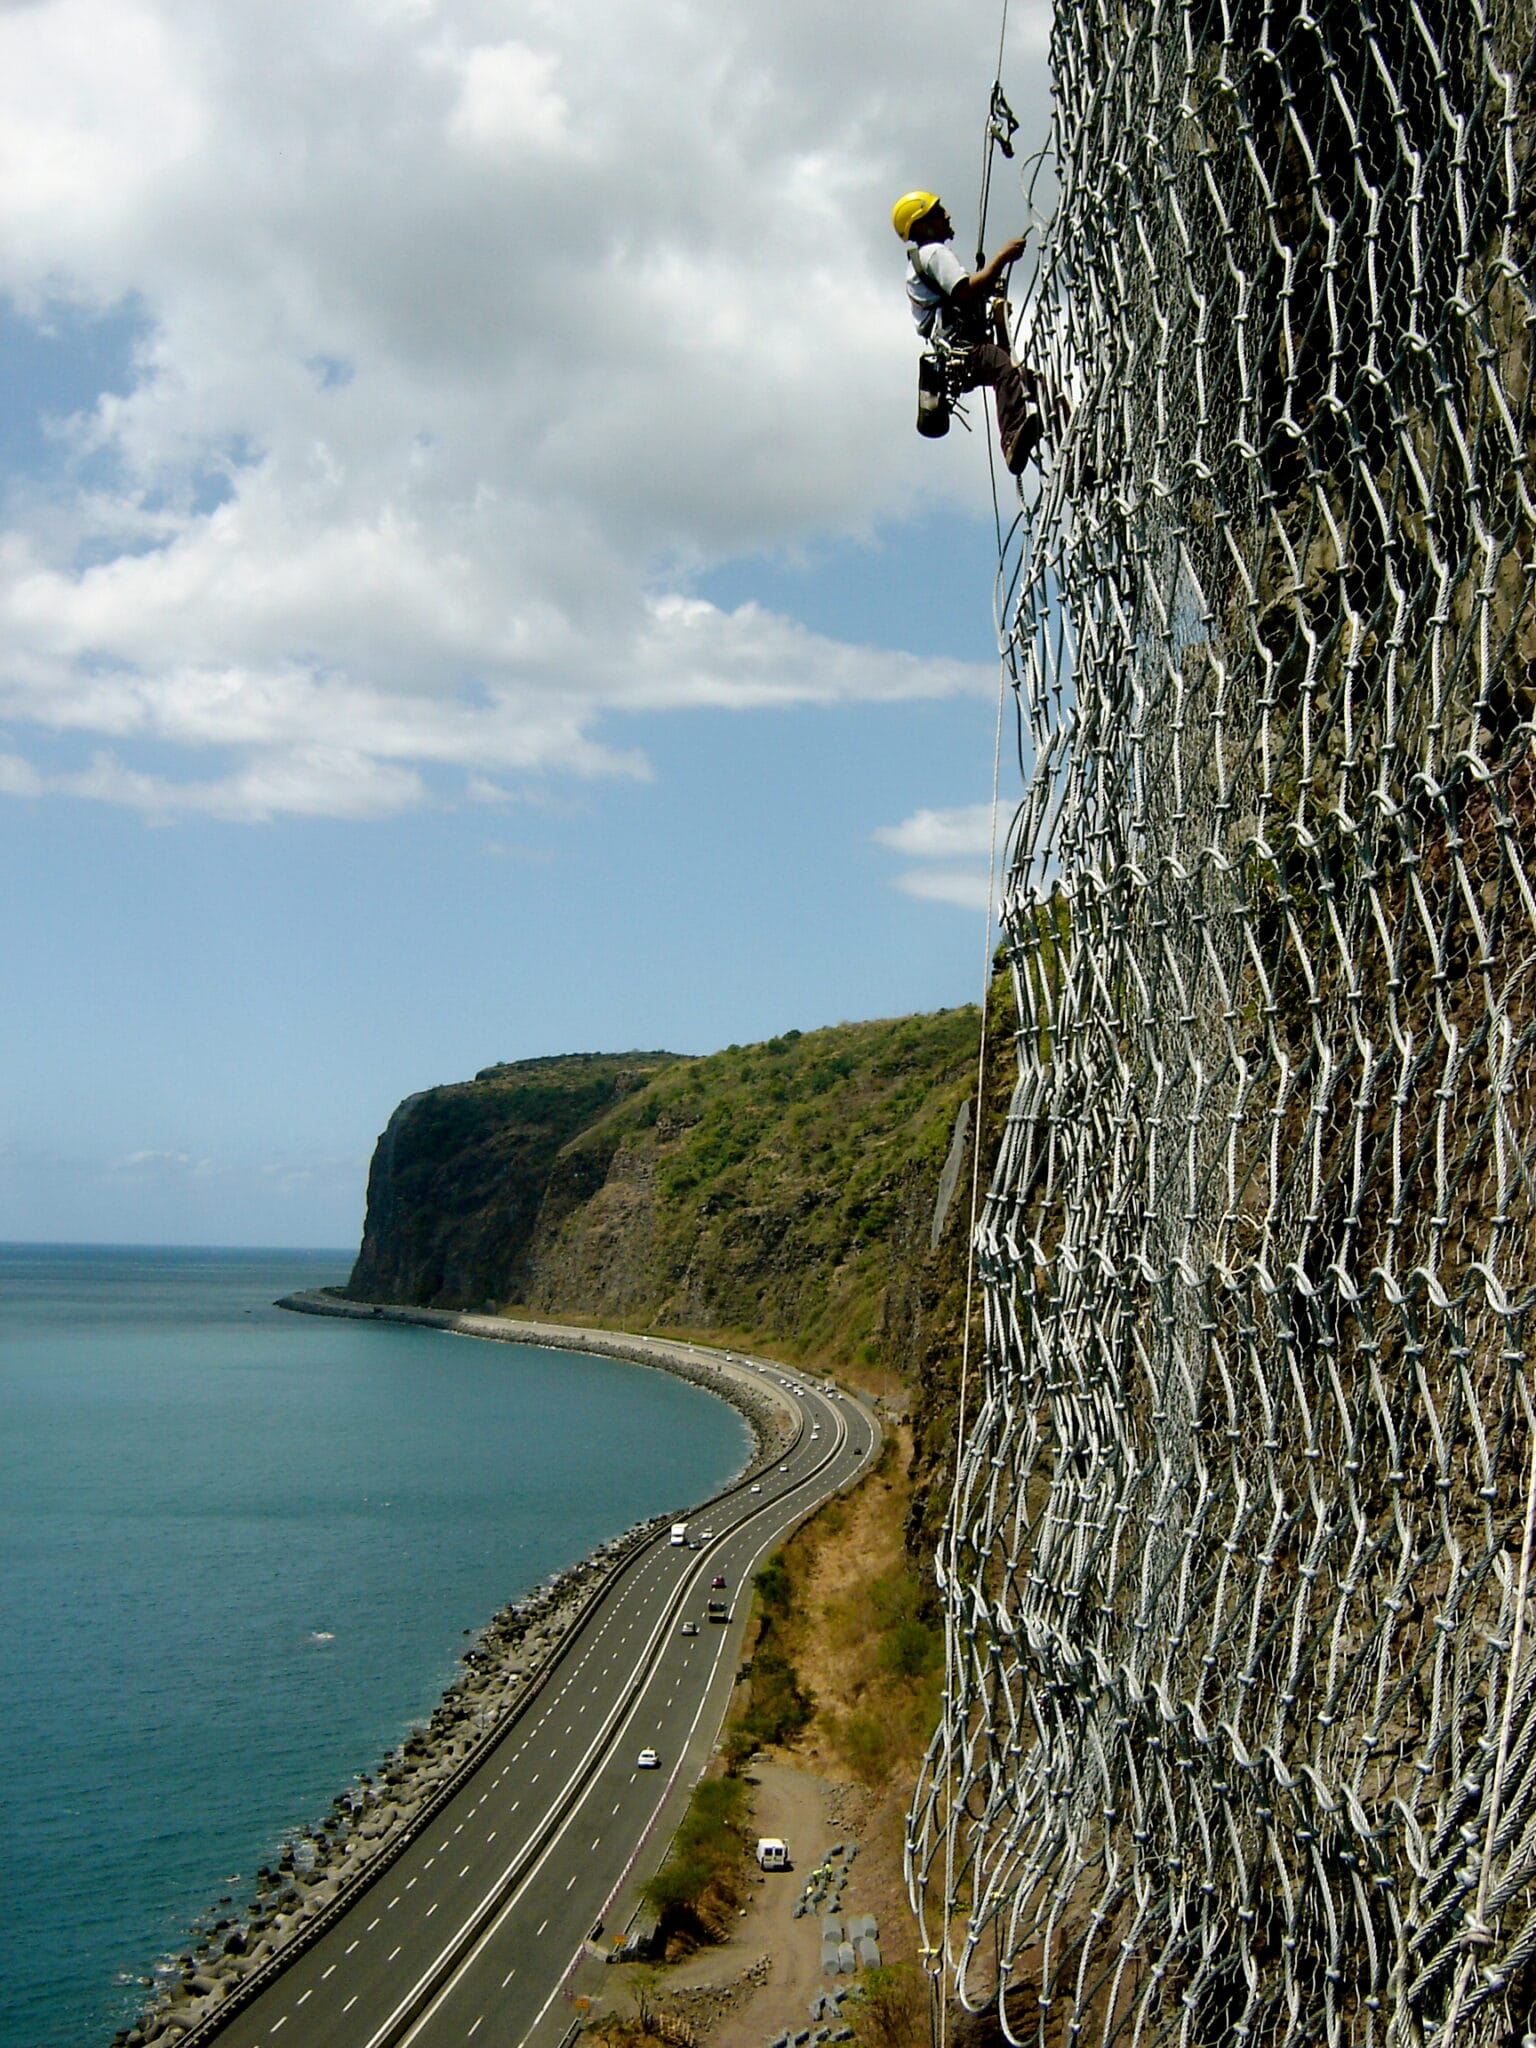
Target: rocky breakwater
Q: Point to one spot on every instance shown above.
(323, 1868)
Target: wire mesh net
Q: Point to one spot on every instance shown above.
(1239, 1739)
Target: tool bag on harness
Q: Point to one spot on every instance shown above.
(932, 396)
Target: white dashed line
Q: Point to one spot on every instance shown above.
(308, 1994)
(327, 1973)
(350, 2002)
(508, 1977)
(392, 1954)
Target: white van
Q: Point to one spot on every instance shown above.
(772, 1854)
(679, 1532)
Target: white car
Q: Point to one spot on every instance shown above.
(706, 1535)
(647, 1760)
(757, 1489)
(689, 1628)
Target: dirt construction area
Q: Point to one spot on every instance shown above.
(745, 1992)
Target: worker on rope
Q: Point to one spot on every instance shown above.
(949, 306)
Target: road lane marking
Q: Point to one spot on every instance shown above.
(354, 1945)
(508, 1977)
(413, 1881)
(431, 1909)
(392, 1954)
(475, 2027)
(326, 1973)
(280, 2023)
(308, 1994)
(350, 2002)
(465, 1871)
(372, 1924)
(540, 1929)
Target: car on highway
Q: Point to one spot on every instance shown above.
(707, 1535)
(783, 1468)
(647, 1760)
(717, 1582)
(689, 1628)
(757, 1489)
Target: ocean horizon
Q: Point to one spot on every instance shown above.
(244, 1551)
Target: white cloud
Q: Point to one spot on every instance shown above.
(961, 839)
(508, 102)
(461, 352)
(963, 887)
(966, 829)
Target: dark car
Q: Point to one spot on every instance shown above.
(717, 1581)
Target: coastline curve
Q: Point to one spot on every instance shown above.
(503, 1673)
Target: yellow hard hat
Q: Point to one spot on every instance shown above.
(909, 210)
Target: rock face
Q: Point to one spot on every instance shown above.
(459, 1175)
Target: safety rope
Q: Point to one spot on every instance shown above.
(997, 136)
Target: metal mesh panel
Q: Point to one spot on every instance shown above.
(1239, 1740)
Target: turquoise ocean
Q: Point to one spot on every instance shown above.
(240, 1550)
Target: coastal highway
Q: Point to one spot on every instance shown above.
(470, 1934)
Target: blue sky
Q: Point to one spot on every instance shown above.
(470, 587)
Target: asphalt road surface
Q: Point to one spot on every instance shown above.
(472, 1932)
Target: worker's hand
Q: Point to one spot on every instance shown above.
(1010, 252)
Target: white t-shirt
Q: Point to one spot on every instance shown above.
(933, 271)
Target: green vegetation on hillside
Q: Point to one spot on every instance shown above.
(789, 1186)
(698, 1888)
(772, 1705)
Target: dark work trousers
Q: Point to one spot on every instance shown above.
(1018, 420)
